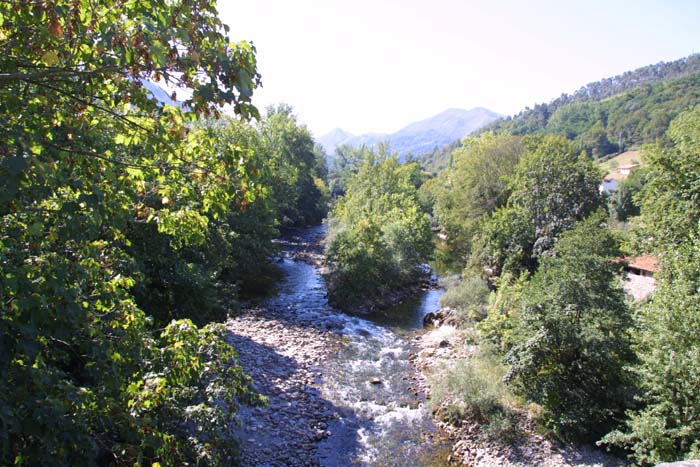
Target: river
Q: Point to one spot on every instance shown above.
(380, 416)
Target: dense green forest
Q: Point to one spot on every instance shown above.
(616, 113)
(128, 225)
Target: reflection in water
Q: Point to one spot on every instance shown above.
(371, 377)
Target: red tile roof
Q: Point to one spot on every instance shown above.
(645, 263)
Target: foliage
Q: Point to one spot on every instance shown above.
(189, 390)
(109, 199)
(498, 329)
(623, 202)
(552, 188)
(474, 389)
(666, 426)
(503, 244)
(615, 113)
(670, 198)
(297, 169)
(468, 296)
(439, 159)
(572, 335)
(474, 186)
(345, 164)
(378, 232)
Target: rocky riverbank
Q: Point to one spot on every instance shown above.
(282, 357)
(443, 345)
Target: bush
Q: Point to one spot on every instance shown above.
(474, 389)
(378, 233)
(468, 296)
(666, 427)
(571, 341)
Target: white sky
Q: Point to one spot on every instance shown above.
(377, 65)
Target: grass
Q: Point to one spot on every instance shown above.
(474, 389)
(468, 296)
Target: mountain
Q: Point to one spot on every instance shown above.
(334, 138)
(419, 137)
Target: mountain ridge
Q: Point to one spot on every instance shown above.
(418, 137)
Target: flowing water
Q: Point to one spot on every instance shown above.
(383, 420)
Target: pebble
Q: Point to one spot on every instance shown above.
(279, 355)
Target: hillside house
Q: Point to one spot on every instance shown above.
(611, 182)
(639, 281)
(645, 265)
(613, 179)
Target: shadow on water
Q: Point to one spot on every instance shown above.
(408, 315)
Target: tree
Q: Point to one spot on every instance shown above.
(553, 188)
(571, 338)
(666, 427)
(345, 163)
(297, 169)
(378, 232)
(670, 207)
(87, 158)
(474, 186)
(624, 202)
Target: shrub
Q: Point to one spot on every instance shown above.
(474, 389)
(378, 233)
(666, 427)
(571, 342)
(468, 296)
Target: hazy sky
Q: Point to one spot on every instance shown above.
(377, 65)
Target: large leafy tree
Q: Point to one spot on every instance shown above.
(571, 339)
(475, 186)
(378, 232)
(669, 200)
(345, 163)
(297, 169)
(88, 159)
(554, 187)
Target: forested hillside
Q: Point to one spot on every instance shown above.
(606, 116)
(616, 113)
